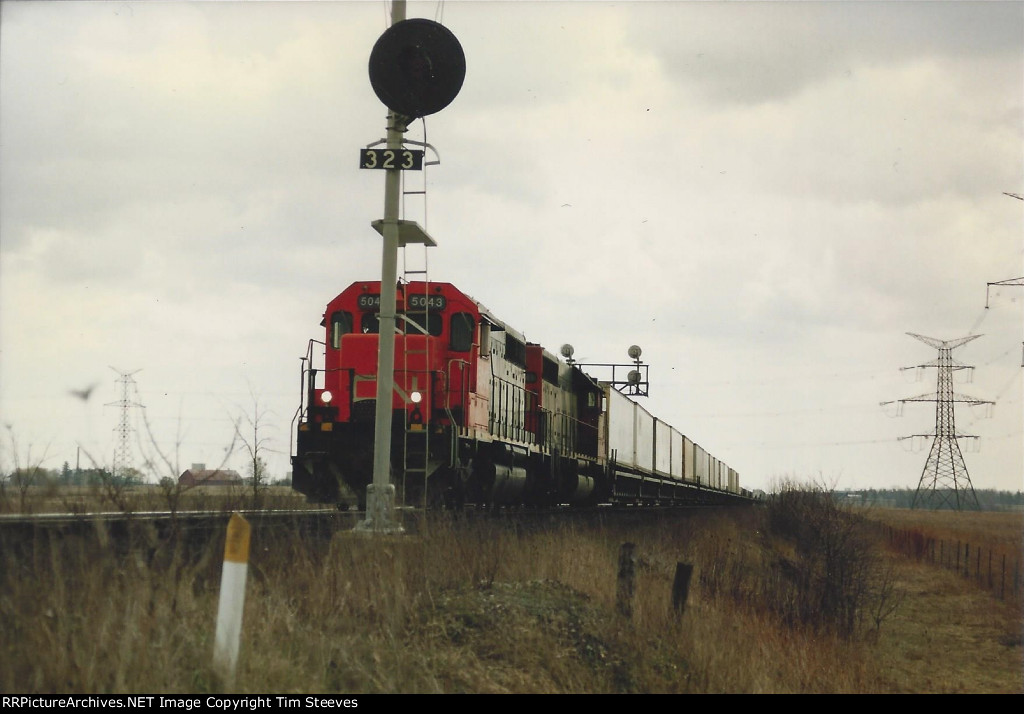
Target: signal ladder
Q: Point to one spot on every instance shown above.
(416, 437)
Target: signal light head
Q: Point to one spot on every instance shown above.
(417, 67)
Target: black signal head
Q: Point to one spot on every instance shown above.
(417, 67)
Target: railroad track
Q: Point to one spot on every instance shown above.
(122, 531)
(59, 519)
(321, 520)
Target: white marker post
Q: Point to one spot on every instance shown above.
(232, 598)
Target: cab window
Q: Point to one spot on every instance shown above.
(369, 323)
(432, 321)
(341, 324)
(461, 338)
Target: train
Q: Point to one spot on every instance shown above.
(481, 416)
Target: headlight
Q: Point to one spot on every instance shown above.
(326, 396)
(416, 397)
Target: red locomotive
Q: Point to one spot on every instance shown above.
(480, 415)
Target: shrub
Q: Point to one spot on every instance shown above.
(837, 577)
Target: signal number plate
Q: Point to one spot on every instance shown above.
(403, 159)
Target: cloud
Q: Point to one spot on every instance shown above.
(709, 48)
(764, 196)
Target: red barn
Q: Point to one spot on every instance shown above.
(210, 477)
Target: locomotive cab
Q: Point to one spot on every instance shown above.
(436, 331)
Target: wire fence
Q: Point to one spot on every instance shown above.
(996, 568)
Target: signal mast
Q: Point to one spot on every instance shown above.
(416, 68)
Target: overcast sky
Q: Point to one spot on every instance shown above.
(765, 197)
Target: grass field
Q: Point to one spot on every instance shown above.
(994, 527)
(495, 606)
(146, 498)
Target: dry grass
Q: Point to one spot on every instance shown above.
(485, 606)
(147, 498)
(987, 547)
(997, 528)
(950, 637)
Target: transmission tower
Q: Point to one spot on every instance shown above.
(945, 482)
(123, 450)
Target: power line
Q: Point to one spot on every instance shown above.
(1011, 282)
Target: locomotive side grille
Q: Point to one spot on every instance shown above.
(364, 410)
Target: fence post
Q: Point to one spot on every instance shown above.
(626, 589)
(232, 598)
(1002, 580)
(681, 587)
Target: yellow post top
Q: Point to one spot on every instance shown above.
(236, 546)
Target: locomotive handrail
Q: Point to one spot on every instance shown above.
(291, 432)
(305, 385)
(463, 388)
(303, 393)
(561, 432)
(307, 398)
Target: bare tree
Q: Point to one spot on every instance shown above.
(113, 487)
(4, 479)
(22, 478)
(250, 431)
(158, 462)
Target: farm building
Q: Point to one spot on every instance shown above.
(209, 477)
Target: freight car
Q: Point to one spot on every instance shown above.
(480, 415)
